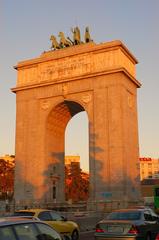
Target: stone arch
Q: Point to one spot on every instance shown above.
(99, 78)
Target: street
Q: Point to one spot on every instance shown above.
(87, 235)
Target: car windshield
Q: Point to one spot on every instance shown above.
(124, 215)
(23, 213)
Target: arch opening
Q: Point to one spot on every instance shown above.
(77, 159)
(58, 121)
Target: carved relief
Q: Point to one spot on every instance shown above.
(75, 65)
(65, 68)
(45, 104)
(86, 98)
(64, 88)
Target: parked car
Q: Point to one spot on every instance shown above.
(17, 228)
(54, 219)
(157, 237)
(128, 224)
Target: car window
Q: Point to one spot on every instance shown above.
(24, 213)
(47, 232)
(45, 216)
(56, 217)
(6, 233)
(26, 231)
(147, 215)
(124, 215)
(154, 216)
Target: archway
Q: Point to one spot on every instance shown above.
(56, 123)
(77, 159)
(50, 90)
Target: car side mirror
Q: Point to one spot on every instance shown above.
(64, 218)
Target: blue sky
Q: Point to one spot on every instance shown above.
(25, 29)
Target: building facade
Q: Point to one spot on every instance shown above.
(149, 168)
(71, 159)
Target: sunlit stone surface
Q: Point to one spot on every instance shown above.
(96, 78)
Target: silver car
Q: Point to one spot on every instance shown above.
(128, 224)
(16, 228)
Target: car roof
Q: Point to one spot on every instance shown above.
(36, 210)
(129, 209)
(5, 221)
(140, 207)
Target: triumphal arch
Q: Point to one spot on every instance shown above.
(50, 89)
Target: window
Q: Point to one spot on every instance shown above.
(150, 173)
(149, 165)
(45, 216)
(147, 216)
(6, 233)
(157, 192)
(56, 217)
(24, 213)
(54, 192)
(48, 232)
(124, 215)
(26, 231)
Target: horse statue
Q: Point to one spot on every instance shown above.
(87, 35)
(55, 45)
(76, 35)
(63, 41)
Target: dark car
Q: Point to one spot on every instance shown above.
(157, 237)
(128, 224)
(16, 228)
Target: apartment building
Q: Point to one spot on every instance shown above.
(149, 168)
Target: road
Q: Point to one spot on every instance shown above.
(87, 235)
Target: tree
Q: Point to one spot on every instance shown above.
(76, 183)
(6, 179)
